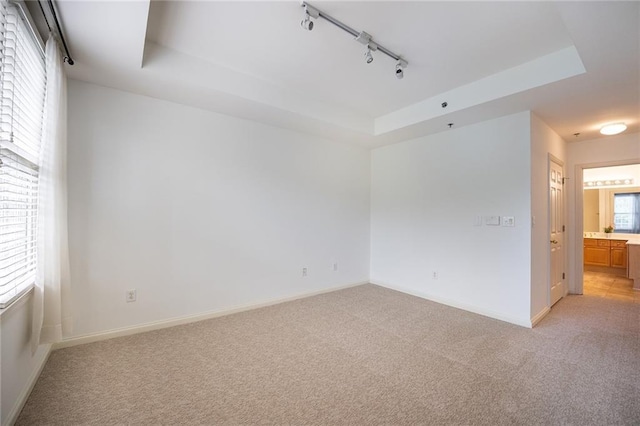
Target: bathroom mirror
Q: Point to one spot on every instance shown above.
(619, 207)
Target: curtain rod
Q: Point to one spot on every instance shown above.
(68, 59)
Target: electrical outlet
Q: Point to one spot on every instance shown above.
(335, 266)
(131, 295)
(304, 272)
(508, 221)
(435, 275)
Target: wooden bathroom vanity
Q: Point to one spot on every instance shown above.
(605, 252)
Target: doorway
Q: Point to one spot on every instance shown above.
(611, 216)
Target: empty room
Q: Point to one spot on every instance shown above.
(323, 212)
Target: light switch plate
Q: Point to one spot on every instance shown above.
(492, 220)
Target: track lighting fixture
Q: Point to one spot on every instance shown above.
(309, 12)
(307, 23)
(400, 69)
(360, 36)
(371, 46)
(367, 55)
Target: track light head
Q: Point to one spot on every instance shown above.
(309, 12)
(400, 69)
(399, 72)
(368, 56)
(307, 23)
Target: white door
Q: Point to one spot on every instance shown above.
(556, 228)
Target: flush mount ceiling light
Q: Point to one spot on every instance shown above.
(361, 36)
(613, 129)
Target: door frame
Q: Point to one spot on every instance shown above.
(550, 158)
(579, 216)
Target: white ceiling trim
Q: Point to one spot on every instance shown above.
(191, 70)
(547, 69)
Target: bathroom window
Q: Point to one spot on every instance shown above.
(626, 213)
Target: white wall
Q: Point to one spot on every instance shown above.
(425, 195)
(19, 368)
(544, 142)
(605, 151)
(202, 212)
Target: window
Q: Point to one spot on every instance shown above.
(22, 93)
(626, 213)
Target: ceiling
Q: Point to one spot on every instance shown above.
(574, 64)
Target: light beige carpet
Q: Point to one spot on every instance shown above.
(365, 355)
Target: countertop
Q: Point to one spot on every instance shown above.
(632, 239)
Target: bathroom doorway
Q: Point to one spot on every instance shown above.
(611, 218)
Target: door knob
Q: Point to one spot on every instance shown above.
(554, 241)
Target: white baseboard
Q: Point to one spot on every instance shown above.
(538, 317)
(455, 304)
(26, 391)
(157, 325)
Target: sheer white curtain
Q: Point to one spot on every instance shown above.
(51, 298)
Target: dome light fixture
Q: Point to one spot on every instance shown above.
(613, 129)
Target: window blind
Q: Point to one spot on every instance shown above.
(22, 97)
(626, 212)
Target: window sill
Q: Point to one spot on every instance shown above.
(17, 300)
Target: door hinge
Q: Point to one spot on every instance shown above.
(563, 275)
